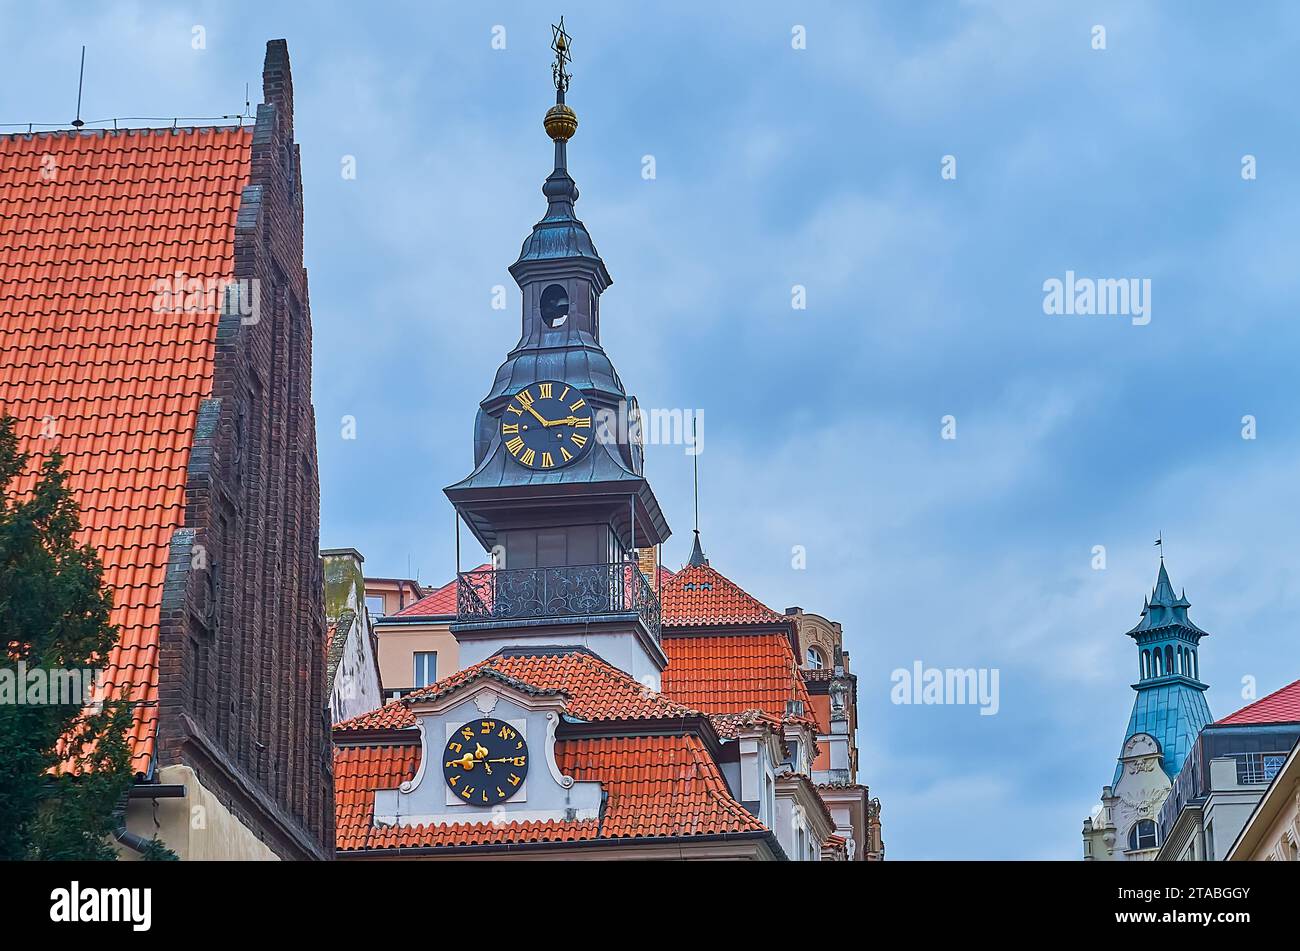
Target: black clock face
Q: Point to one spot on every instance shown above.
(547, 426)
(485, 762)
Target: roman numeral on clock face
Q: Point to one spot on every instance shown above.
(550, 426)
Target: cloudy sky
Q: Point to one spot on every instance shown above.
(821, 167)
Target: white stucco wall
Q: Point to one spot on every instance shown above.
(356, 681)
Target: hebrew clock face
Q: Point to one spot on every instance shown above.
(547, 426)
(485, 762)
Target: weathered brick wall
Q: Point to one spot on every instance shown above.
(242, 681)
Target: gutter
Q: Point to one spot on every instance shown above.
(155, 791)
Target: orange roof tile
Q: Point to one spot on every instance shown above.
(729, 726)
(700, 596)
(595, 690)
(88, 223)
(656, 786)
(1280, 706)
(733, 673)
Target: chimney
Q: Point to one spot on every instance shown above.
(647, 561)
(345, 586)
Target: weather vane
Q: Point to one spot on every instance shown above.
(561, 42)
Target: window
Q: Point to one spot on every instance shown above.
(1253, 768)
(375, 605)
(555, 305)
(1142, 835)
(426, 668)
(815, 661)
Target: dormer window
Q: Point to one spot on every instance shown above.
(815, 659)
(555, 305)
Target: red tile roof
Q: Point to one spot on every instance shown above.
(595, 690)
(656, 786)
(732, 673)
(88, 223)
(700, 596)
(1280, 706)
(729, 726)
(438, 603)
(360, 770)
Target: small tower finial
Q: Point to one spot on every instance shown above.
(697, 553)
(560, 121)
(562, 43)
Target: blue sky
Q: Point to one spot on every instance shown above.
(821, 167)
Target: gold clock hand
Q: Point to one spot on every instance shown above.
(465, 762)
(540, 418)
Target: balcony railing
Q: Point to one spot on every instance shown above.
(575, 591)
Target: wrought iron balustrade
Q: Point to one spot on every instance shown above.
(572, 591)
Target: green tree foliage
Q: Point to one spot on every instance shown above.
(64, 769)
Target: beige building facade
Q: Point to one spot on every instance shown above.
(1272, 833)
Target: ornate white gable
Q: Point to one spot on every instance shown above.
(487, 756)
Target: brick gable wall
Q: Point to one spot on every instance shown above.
(242, 659)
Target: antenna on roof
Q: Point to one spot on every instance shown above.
(696, 457)
(697, 553)
(81, 79)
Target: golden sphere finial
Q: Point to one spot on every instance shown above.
(560, 122)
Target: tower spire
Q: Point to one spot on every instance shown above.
(697, 553)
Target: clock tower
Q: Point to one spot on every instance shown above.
(1169, 712)
(558, 495)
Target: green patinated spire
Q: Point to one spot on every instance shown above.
(1170, 703)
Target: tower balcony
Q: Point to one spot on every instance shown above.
(572, 592)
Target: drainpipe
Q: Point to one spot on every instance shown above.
(136, 843)
(154, 791)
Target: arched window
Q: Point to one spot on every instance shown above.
(1156, 670)
(1142, 835)
(1146, 664)
(815, 659)
(1170, 667)
(555, 305)
(1196, 666)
